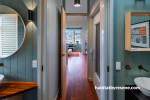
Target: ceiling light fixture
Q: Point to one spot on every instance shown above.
(77, 3)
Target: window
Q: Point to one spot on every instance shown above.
(8, 34)
(77, 38)
(70, 36)
(73, 35)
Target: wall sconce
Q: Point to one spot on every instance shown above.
(77, 3)
(30, 15)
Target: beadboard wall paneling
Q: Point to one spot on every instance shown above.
(18, 67)
(134, 59)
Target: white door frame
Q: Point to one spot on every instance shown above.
(111, 49)
(39, 49)
(104, 48)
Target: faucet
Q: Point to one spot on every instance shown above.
(1, 64)
(141, 68)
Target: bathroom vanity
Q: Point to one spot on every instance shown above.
(10, 89)
(135, 94)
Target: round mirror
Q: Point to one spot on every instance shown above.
(12, 31)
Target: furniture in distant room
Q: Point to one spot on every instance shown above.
(71, 46)
(86, 48)
(69, 52)
(77, 47)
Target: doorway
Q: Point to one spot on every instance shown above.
(73, 39)
(76, 70)
(43, 80)
(77, 34)
(97, 50)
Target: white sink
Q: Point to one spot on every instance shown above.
(1, 78)
(144, 84)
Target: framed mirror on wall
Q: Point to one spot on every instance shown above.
(12, 31)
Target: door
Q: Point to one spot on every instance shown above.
(98, 50)
(63, 53)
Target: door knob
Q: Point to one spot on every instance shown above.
(62, 54)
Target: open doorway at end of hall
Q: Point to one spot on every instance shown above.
(76, 42)
(76, 35)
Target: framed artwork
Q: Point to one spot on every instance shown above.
(140, 35)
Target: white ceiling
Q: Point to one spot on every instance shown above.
(76, 19)
(69, 4)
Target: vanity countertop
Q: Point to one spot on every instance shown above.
(9, 89)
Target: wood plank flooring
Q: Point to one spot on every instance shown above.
(78, 86)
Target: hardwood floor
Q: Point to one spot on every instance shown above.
(78, 86)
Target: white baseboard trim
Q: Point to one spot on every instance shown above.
(97, 83)
(57, 93)
(97, 77)
(91, 79)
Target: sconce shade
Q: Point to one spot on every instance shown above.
(77, 3)
(30, 15)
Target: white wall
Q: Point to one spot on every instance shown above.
(51, 45)
(93, 3)
(103, 45)
(69, 4)
(90, 46)
(91, 38)
(79, 21)
(96, 80)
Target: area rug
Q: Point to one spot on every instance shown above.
(75, 54)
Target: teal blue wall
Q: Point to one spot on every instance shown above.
(18, 67)
(137, 19)
(133, 59)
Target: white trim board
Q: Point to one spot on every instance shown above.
(95, 10)
(57, 93)
(111, 49)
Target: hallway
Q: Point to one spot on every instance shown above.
(79, 88)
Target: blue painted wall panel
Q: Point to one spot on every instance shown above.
(134, 59)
